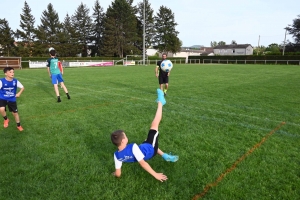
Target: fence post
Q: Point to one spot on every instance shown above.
(276, 62)
(245, 62)
(255, 61)
(287, 62)
(265, 62)
(227, 61)
(235, 61)
(210, 61)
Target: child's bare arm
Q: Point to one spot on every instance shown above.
(20, 92)
(159, 176)
(117, 173)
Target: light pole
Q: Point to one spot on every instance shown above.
(284, 42)
(144, 50)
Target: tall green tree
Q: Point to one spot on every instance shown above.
(166, 37)
(273, 49)
(294, 29)
(82, 22)
(27, 21)
(48, 31)
(50, 26)
(69, 46)
(149, 22)
(221, 43)
(120, 29)
(213, 43)
(6, 39)
(27, 32)
(98, 27)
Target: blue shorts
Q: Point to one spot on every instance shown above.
(56, 78)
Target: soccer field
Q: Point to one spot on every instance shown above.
(224, 121)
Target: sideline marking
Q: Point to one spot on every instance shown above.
(228, 170)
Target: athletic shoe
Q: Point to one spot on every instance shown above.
(160, 97)
(5, 123)
(69, 97)
(58, 100)
(170, 158)
(20, 128)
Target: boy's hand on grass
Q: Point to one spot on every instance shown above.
(161, 177)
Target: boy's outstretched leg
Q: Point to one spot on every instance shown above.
(160, 102)
(167, 157)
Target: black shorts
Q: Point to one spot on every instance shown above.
(12, 106)
(153, 139)
(163, 79)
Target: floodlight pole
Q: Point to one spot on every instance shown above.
(284, 42)
(144, 49)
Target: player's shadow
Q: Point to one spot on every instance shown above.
(47, 88)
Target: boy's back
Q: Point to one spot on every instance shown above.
(134, 153)
(53, 64)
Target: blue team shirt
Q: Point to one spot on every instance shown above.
(8, 90)
(127, 154)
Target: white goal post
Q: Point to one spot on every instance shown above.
(130, 61)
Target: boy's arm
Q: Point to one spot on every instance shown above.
(49, 71)
(159, 176)
(117, 173)
(156, 71)
(140, 158)
(118, 165)
(19, 85)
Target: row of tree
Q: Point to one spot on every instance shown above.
(116, 32)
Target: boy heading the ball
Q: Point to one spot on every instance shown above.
(8, 96)
(145, 151)
(163, 77)
(55, 74)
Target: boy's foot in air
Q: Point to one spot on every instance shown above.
(160, 97)
(170, 158)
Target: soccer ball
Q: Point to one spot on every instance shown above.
(166, 65)
(51, 48)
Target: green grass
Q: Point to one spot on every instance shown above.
(214, 115)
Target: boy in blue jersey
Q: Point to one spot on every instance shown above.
(8, 96)
(55, 74)
(145, 151)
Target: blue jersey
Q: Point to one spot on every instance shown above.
(8, 89)
(53, 65)
(134, 153)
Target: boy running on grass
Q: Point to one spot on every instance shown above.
(8, 96)
(55, 74)
(145, 151)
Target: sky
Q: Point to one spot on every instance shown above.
(255, 22)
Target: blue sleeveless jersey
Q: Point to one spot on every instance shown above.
(126, 155)
(9, 90)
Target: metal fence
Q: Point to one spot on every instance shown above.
(219, 61)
